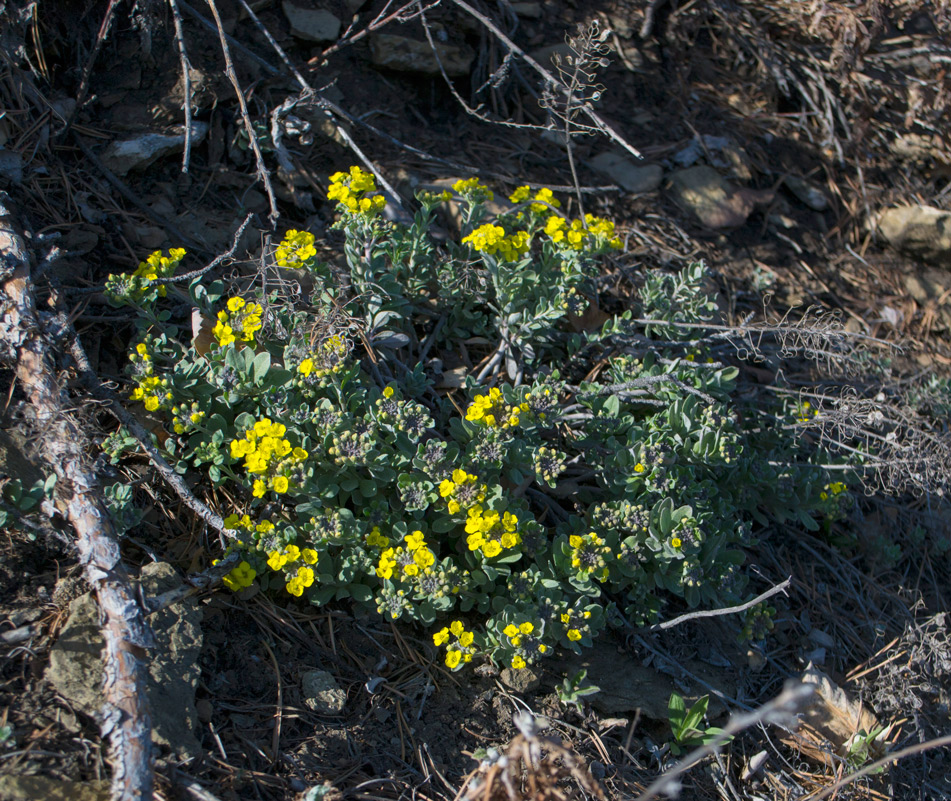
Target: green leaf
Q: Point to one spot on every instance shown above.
(260, 366)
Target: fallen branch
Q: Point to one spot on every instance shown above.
(126, 720)
(729, 610)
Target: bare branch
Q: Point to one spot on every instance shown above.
(126, 720)
(729, 610)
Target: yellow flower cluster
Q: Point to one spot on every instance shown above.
(240, 321)
(267, 454)
(186, 417)
(589, 554)
(545, 195)
(491, 410)
(303, 577)
(491, 239)
(239, 578)
(153, 392)
(244, 523)
(375, 539)
(329, 358)
(413, 560)
(460, 651)
(576, 235)
(296, 250)
(832, 490)
(461, 491)
(491, 532)
(523, 638)
(158, 266)
(806, 413)
(350, 191)
(473, 189)
(574, 623)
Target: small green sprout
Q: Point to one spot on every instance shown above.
(686, 725)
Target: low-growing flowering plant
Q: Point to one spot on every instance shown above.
(571, 482)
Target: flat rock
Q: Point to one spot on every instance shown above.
(632, 177)
(75, 668)
(32, 788)
(807, 193)
(714, 201)
(311, 24)
(626, 685)
(403, 54)
(922, 232)
(322, 693)
(140, 151)
(523, 681)
(932, 288)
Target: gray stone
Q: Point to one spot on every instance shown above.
(11, 166)
(523, 681)
(311, 24)
(624, 172)
(400, 53)
(932, 289)
(626, 685)
(32, 788)
(75, 668)
(140, 151)
(806, 193)
(528, 10)
(922, 232)
(322, 693)
(713, 199)
(551, 55)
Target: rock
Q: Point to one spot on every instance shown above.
(806, 193)
(549, 55)
(31, 788)
(140, 151)
(922, 232)
(75, 667)
(400, 53)
(713, 199)
(626, 685)
(311, 24)
(932, 288)
(632, 177)
(18, 458)
(11, 166)
(522, 681)
(528, 10)
(321, 692)
(919, 148)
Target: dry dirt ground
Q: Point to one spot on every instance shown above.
(820, 92)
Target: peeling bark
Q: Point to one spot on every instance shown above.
(126, 721)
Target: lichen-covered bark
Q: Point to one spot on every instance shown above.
(125, 719)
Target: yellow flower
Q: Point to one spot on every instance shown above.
(281, 484)
(574, 635)
(492, 548)
(151, 403)
(456, 627)
(309, 555)
(306, 367)
(295, 586)
(518, 662)
(305, 575)
(520, 194)
(276, 560)
(441, 636)
(510, 630)
(235, 304)
(526, 628)
(676, 542)
(466, 638)
(453, 658)
(259, 488)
